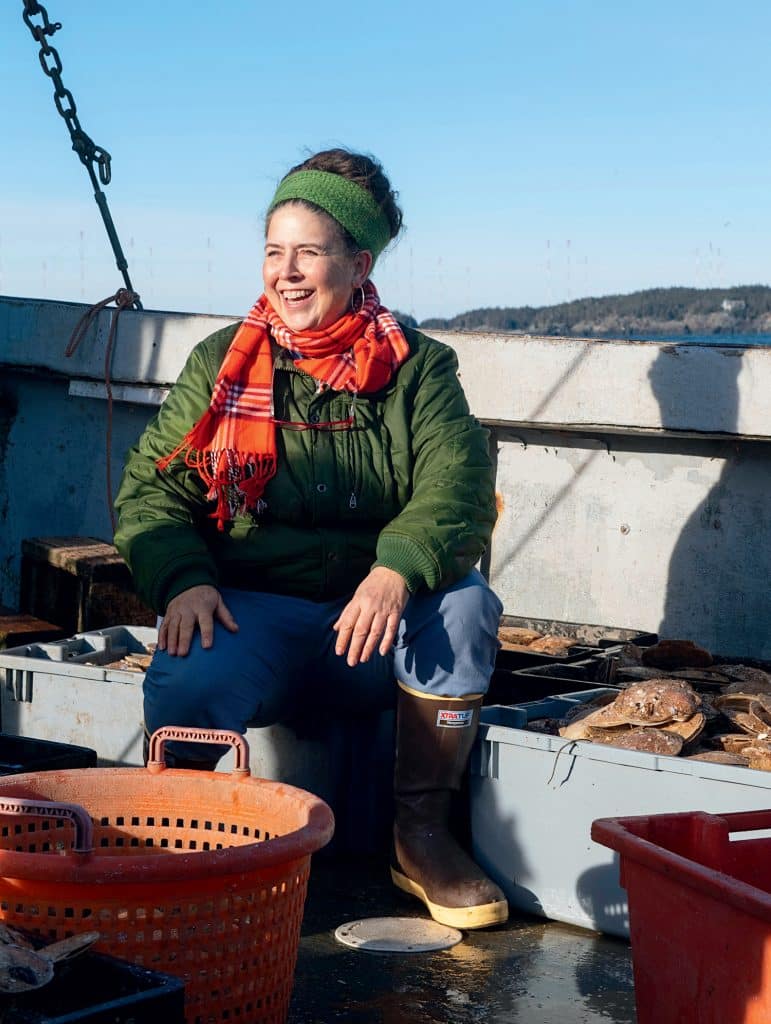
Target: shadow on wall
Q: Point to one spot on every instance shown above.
(717, 584)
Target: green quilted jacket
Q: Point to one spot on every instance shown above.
(410, 487)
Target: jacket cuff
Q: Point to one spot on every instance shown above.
(416, 565)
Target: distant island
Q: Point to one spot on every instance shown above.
(745, 309)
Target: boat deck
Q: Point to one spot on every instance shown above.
(529, 971)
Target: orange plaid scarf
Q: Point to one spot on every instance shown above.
(233, 445)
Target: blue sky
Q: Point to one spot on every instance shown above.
(542, 151)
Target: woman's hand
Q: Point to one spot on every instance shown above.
(198, 606)
(372, 615)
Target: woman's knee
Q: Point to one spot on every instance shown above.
(209, 689)
(449, 639)
(471, 602)
(179, 691)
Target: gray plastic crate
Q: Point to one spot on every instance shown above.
(534, 798)
(61, 691)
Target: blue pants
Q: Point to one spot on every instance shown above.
(282, 663)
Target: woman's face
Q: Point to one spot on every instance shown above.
(309, 275)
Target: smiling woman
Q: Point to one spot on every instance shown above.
(309, 504)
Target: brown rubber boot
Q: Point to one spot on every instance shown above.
(434, 737)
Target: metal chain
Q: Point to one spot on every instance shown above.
(88, 152)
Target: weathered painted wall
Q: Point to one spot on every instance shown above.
(634, 478)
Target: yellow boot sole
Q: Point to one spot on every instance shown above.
(485, 915)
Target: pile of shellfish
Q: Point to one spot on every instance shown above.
(135, 662)
(519, 638)
(704, 711)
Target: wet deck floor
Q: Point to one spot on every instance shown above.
(529, 971)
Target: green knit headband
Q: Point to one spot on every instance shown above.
(348, 203)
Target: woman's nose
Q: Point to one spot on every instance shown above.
(288, 267)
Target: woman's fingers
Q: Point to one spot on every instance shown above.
(371, 618)
(225, 617)
(389, 634)
(193, 609)
(205, 621)
(366, 633)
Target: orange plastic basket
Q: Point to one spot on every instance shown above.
(199, 874)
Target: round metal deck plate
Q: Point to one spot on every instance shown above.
(397, 935)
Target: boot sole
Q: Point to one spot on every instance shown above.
(485, 915)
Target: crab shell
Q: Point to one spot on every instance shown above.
(656, 701)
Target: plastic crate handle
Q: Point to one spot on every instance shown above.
(156, 762)
(79, 816)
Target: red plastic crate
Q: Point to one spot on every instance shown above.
(699, 888)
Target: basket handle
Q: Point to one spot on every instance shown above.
(156, 762)
(79, 816)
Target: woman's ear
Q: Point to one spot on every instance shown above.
(362, 264)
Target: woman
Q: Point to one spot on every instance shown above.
(306, 511)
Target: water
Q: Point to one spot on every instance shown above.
(723, 340)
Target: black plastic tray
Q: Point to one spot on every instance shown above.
(541, 681)
(98, 989)
(589, 639)
(23, 754)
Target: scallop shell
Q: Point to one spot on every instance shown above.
(656, 701)
(749, 713)
(730, 742)
(688, 731)
(720, 757)
(676, 654)
(759, 757)
(22, 970)
(650, 740)
(579, 726)
(551, 644)
(582, 708)
(550, 726)
(518, 635)
(746, 679)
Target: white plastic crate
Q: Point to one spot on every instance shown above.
(534, 798)
(49, 692)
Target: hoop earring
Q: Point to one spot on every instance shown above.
(361, 304)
